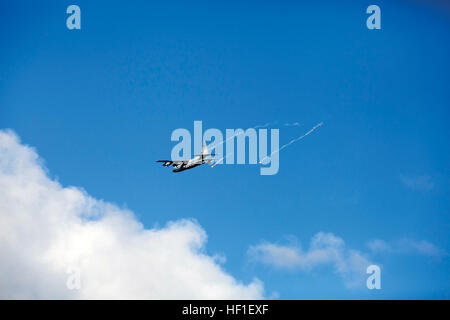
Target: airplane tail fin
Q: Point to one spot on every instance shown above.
(205, 149)
(205, 152)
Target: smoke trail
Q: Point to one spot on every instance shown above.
(263, 126)
(292, 141)
(232, 137)
(294, 124)
(268, 124)
(288, 124)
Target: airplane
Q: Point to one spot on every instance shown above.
(181, 165)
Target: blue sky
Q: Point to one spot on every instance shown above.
(99, 105)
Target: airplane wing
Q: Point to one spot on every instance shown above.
(168, 163)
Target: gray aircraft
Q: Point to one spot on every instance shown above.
(181, 165)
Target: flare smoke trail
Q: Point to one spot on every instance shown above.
(292, 141)
(268, 124)
(294, 124)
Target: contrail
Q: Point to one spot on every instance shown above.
(292, 141)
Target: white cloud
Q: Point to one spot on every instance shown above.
(423, 247)
(422, 183)
(46, 228)
(379, 245)
(406, 246)
(324, 249)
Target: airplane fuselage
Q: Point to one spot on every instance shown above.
(195, 162)
(182, 165)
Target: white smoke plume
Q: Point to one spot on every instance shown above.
(266, 125)
(292, 141)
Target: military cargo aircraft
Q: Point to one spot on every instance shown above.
(181, 165)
